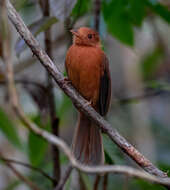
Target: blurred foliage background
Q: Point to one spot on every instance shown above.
(135, 37)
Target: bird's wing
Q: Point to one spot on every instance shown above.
(105, 87)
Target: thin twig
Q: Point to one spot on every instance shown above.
(28, 166)
(149, 93)
(97, 14)
(105, 181)
(96, 182)
(26, 82)
(125, 184)
(19, 175)
(45, 5)
(56, 157)
(78, 101)
(81, 182)
(93, 170)
(64, 178)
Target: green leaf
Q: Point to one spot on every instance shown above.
(158, 85)
(165, 167)
(65, 106)
(48, 22)
(137, 11)
(118, 21)
(86, 180)
(8, 128)
(13, 185)
(112, 154)
(37, 147)
(68, 183)
(63, 159)
(108, 159)
(109, 150)
(159, 9)
(81, 7)
(151, 62)
(23, 4)
(141, 184)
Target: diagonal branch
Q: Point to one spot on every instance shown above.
(78, 101)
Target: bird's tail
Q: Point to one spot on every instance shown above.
(87, 144)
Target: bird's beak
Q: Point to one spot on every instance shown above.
(75, 32)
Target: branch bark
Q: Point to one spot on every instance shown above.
(78, 101)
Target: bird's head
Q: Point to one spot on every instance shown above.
(86, 37)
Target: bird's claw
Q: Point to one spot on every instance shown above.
(89, 103)
(66, 80)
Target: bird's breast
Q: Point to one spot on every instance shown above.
(84, 69)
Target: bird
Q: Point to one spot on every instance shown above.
(87, 68)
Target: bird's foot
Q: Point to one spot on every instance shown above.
(89, 103)
(67, 80)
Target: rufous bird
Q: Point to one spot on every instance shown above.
(88, 70)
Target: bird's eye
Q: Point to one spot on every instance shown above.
(89, 36)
